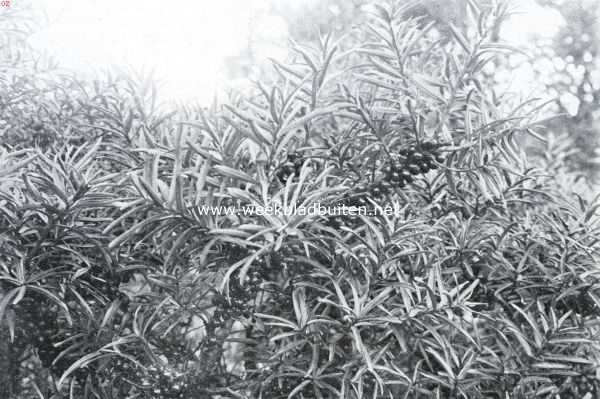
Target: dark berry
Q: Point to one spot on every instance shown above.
(406, 175)
(395, 177)
(417, 156)
(414, 169)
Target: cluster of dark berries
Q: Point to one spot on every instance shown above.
(291, 167)
(411, 161)
(399, 171)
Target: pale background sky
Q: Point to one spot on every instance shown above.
(186, 42)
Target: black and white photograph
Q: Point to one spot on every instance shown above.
(300, 199)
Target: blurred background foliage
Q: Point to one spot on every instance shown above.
(563, 68)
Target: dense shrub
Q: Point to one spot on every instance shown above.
(481, 282)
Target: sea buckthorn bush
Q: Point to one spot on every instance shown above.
(117, 281)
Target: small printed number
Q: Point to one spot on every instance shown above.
(5, 3)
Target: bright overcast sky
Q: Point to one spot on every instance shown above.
(185, 42)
